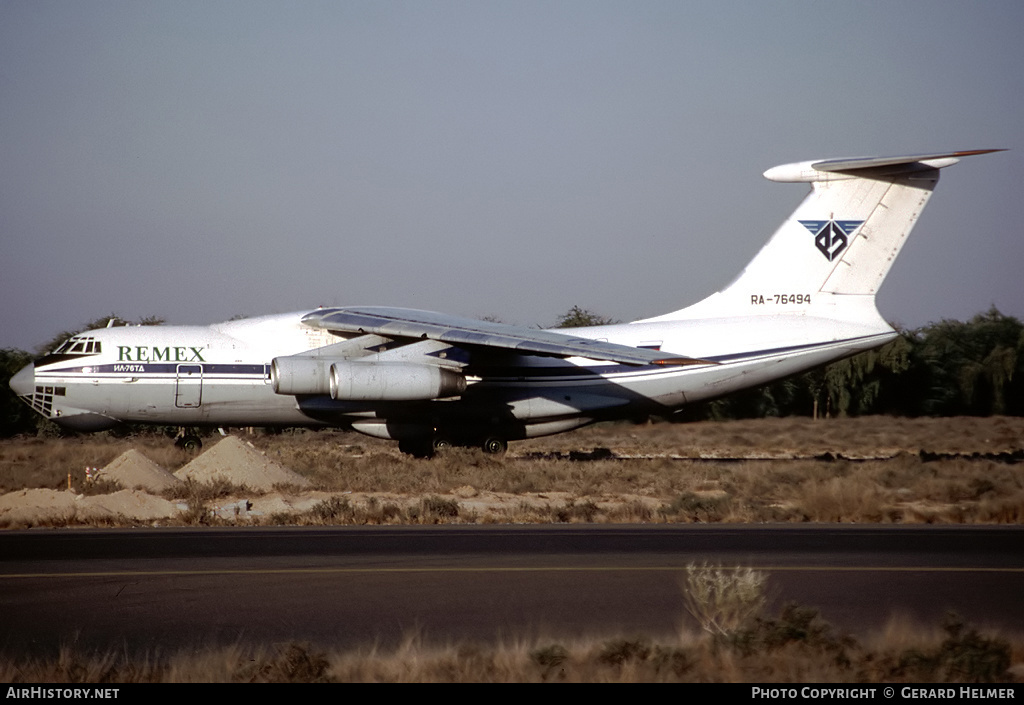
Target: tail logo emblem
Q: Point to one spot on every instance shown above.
(831, 236)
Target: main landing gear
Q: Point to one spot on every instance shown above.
(494, 445)
(426, 448)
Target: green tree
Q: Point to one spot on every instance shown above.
(577, 317)
(15, 416)
(972, 367)
(854, 385)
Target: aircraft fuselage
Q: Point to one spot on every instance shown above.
(221, 376)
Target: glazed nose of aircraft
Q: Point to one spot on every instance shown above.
(24, 382)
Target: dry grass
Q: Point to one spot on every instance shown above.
(795, 646)
(878, 469)
(49, 462)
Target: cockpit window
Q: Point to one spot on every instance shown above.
(79, 345)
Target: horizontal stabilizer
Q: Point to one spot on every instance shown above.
(826, 169)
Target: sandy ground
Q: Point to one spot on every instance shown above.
(264, 488)
(231, 460)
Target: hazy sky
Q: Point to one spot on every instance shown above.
(201, 160)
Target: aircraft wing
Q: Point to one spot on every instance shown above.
(414, 324)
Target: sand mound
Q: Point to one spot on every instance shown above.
(239, 462)
(275, 502)
(32, 507)
(54, 507)
(132, 469)
(128, 503)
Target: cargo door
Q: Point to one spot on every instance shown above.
(188, 393)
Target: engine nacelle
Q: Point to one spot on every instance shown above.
(393, 381)
(301, 375)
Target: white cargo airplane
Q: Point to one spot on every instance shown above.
(430, 380)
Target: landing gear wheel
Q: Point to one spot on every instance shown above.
(189, 443)
(442, 443)
(494, 445)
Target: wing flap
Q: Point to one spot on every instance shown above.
(411, 323)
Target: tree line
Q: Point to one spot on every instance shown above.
(949, 368)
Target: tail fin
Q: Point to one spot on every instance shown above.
(830, 257)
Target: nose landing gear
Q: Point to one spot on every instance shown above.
(188, 441)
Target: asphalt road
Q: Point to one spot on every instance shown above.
(166, 589)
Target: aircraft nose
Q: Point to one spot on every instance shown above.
(24, 381)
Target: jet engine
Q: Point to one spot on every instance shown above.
(393, 381)
(364, 381)
(301, 375)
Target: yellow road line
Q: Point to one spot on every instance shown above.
(498, 569)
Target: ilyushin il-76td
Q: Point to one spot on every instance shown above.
(429, 380)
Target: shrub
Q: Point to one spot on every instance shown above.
(335, 510)
(434, 510)
(796, 625)
(550, 658)
(698, 507)
(723, 599)
(572, 512)
(620, 651)
(964, 655)
(295, 663)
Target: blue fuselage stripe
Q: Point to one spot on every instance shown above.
(151, 368)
